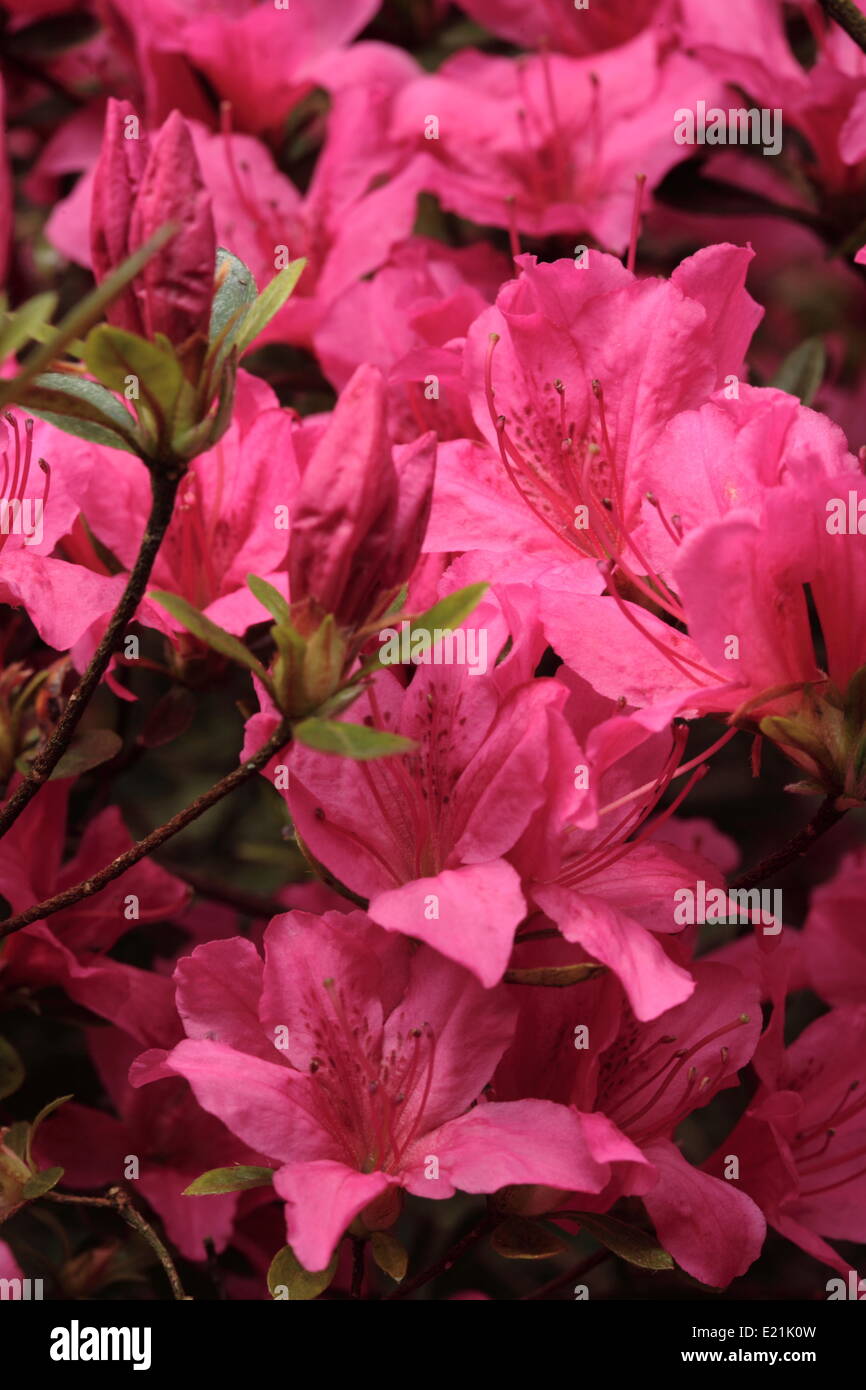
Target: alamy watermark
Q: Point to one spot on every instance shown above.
(738, 126)
(20, 1290)
(22, 518)
(436, 647)
(730, 906)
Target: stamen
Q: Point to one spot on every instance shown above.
(679, 1059)
(676, 661)
(686, 767)
(675, 532)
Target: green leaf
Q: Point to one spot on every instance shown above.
(87, 312)
(287, 1278)
(269, 302)
(390, 1255)
(802, 371)
(40, 1183)
(88, 749)
(270, 598)
(209, 633)
(43, 1115)
(113, 355)
(11, 1069)
(519, 1238)
(82, 408)
(236, 293)
(235, 1179)
(629, 1242)
(446, 615)
(357, 741)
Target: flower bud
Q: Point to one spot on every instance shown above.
(361, 513)
(140, 186)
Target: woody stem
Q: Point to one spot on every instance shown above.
(849, 18)
(164, 486)
(119, 1201)
(442, 1266)
(154, 840)
(824, 819)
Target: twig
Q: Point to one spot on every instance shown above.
(250, 904)
(445, 1263)
(849, 18)
(119, 1201)
(141, 848)
(164, 489)
(576, 1272)
(824, 819)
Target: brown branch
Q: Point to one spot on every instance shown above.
(141, 848)
(576, 1272)
(250, 904)
(119, 1201)
(164, 490)
(454, 1254)
(848, 17)
(824, 819)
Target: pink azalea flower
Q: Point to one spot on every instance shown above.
(832, 939)
(361, 512)
(43, 481)
(551, 143)
(427, 839)
(737, 585)
(606, 873)
(360, 204)
(260, 58)
(825, 104)
(355, 1063)
(411, 320)
(558, 24)
(572, 453)
(136, 191)
(802, 1141)
(646, 1079)
(173, 1140)
(71, 951)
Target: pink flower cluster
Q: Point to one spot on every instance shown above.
(531, 545)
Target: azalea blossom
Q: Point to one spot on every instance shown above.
(366, 1079)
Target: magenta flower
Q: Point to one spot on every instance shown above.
(602, 869)
(551, 143)
(411, 321)
(573, 377)
(358, 1066)
(427, 839)
(71, 950)
(559, 25)
(161, 1126)
(136, 191)
(801, 1145)
(646, 1079)
(360, 513)
(833, 946)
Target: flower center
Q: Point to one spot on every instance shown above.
(370, 1101)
